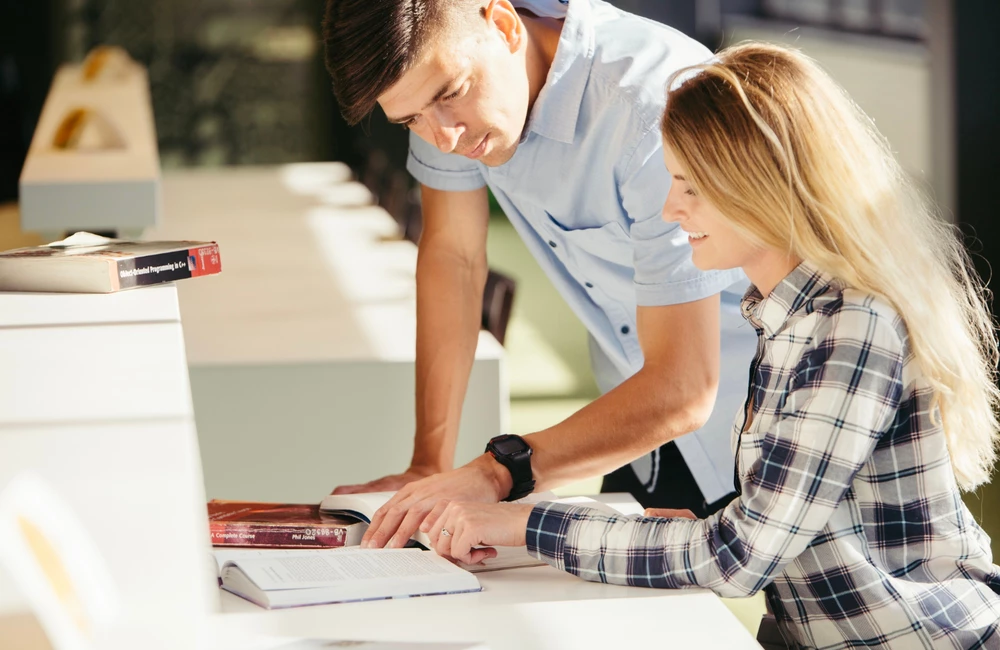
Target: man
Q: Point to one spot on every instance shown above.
(555, 105)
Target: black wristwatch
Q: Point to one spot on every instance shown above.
(515, 454)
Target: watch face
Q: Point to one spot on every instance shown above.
(509, 446)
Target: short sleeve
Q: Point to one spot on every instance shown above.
(664, 272)
(442, 171)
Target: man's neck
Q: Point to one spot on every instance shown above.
(543, 41)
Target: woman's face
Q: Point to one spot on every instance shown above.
(714, 243)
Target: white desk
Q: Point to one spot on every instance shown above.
(519, 609)
(301, 353)
(94, 401)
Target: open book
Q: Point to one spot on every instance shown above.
(362, 507)
(314, 577)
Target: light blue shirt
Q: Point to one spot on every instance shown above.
(585, 191)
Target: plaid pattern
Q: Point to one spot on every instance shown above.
(849, 518)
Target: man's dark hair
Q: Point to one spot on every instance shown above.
(371, 44)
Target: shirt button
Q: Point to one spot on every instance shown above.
(552, 244)
(588, 285)
(626, 329)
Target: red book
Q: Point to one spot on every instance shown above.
(279, 525)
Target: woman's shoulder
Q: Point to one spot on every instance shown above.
(857, 316)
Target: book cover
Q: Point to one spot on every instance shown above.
(86, 263)
(278, 525)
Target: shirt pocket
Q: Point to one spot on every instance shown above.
(609, 242)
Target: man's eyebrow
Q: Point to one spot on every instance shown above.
(441, 93)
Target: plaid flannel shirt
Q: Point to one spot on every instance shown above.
(850, 518)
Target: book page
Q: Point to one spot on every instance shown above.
(508, 557)
(234, 555)
(363, 505)
(304, 571)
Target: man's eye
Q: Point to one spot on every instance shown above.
(454, 95)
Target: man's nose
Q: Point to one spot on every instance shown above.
(447, 133)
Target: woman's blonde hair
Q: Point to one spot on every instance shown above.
(793, 164)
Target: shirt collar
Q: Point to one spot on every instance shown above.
(557, 107)
(794, 293)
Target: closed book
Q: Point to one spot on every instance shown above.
(279, 525)
(86, 263)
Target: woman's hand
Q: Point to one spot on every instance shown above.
(472, 528)
(668, 513)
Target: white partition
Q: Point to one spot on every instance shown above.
(95, 402)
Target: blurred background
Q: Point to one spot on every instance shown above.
(241, 82)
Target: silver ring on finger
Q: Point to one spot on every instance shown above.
(445, 532)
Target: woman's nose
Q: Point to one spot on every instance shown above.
(671, 209)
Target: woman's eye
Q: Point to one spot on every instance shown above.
(690, 192)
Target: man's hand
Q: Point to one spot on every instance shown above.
(390, 483)
(473, 528)
(482, 480)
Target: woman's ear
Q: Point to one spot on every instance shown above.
(501, 16)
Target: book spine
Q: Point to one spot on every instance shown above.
(239, 534)
(168, 267)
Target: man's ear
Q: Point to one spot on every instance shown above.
(501, 17)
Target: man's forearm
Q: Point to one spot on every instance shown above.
(638, 416)
(449, 314)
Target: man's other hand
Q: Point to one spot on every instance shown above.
(390, 483)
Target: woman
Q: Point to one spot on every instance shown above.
(872, 397)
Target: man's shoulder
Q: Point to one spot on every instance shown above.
(635, 57)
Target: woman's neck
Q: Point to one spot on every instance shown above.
(769, 268)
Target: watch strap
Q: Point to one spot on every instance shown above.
(519, 466)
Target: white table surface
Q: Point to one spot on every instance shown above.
(522, 609)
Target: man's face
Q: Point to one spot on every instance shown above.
(468, 93)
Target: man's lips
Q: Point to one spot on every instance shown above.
(479, 150)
